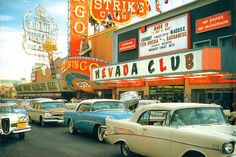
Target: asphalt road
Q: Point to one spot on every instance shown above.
(55, 141)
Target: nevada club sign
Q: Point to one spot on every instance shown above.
(171, 64)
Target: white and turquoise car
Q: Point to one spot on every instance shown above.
(89, 116)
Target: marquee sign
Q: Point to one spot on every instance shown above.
(172, 64)
(118, 11)
(166, 36)
(38, 27)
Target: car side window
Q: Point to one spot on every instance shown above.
(153, 117)
(35, 106)
(144, 118)
(84, 108)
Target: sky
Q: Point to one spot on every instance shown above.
(14, 62)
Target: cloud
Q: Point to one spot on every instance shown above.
(6, 18)
(58, 9)
(14, 62)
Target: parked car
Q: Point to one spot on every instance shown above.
(12, 122)
(90, 115)
(47, 111)
(232, 117)
(174, 130)
(73, 103)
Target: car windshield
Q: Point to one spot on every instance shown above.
(197, 116)
(109, 105)
(6, 109)
(48, 105)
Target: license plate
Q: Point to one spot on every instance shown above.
(21, 125)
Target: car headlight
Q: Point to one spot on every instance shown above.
(228, 147)
(23, 119)
(47, 114)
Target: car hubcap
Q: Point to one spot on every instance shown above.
(71, 127)
(125, 149)
(100, 133)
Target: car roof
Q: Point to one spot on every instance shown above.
(99, 100)
(44, 101)
(174, 106)
(7, 104)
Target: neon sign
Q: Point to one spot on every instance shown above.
(38, 27)
(118, 11)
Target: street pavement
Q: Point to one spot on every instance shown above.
(55, 141)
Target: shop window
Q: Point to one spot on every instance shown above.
(201, 44)
(167, 93)
(225, 42)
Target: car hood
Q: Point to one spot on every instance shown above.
(115, 114)
(56, 110)
(12, 116)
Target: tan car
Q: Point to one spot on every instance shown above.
(47, 111)
(174, 130)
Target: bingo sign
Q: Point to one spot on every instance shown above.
(166, 36)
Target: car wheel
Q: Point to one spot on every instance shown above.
(100, 133)
(30, 120)
(42, 123)
(125, 151)
(21, 136)
(71, 127)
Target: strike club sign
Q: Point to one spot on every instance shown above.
(118, 11)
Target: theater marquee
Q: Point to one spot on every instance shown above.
(165, 37)
(189, 62)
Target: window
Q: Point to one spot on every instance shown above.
(84, 108)
(202, 44)
(152, 117)
(225, 41)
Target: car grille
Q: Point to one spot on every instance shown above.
(5, 125)
(13, 124)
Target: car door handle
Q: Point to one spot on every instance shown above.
(144, 129)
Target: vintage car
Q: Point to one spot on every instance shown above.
(47, 111)
(12, 123)
(90, 115)
(174, 130)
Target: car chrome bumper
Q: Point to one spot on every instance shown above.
(16, 130)
(49, 120)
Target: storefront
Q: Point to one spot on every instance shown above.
(49, 89)
(187, 62)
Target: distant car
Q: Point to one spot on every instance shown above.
(8, 100)
(47, 111)
(174, 130)
(19, 109)
(73, 103)
(90, 115)
(12, 122)
(142, 103)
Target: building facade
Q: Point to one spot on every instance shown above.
(186, 54)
